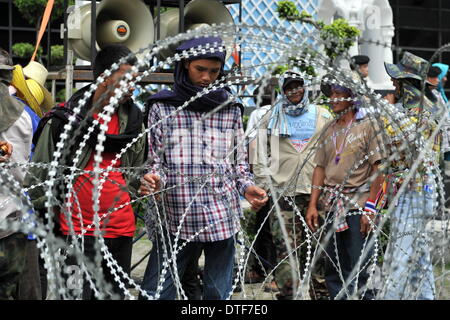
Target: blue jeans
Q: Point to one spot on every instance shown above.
(350, 244)
(408, 268)
(218, 271)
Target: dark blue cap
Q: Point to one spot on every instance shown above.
(214, 42)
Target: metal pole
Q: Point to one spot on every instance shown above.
(440, 27)
(158, 24)
(49, 44)
(397, 40)
(69, 74)
(10, 27)
(54, 90)
(65, 42)
(93, 30)
(240, 21)
(181, 22)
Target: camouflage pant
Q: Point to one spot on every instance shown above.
(297, 238)
(12, 262)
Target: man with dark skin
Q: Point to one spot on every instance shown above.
(285, 160)
(204, 215)
(126, 123)
(345, 143)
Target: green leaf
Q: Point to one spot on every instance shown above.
(287, 9)
(25, 50)
(33, 10)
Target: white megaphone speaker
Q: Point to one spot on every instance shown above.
(197, 13)
(117, 21)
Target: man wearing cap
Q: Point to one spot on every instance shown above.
(407, 264)
(15, 128)
(349, 153)
(287, 136)
(360, 67)
(191, 155)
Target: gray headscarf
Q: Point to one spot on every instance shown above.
(278, 124)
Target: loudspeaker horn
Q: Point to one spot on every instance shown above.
(128, 22)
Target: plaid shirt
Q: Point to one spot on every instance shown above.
(183, 148)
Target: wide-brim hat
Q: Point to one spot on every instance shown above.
(410, 66)
(32, 90)
(36, 71)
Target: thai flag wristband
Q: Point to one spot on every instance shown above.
(370, 207)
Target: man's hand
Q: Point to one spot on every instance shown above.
(368, 217)
(312, 218)
(256, 196)
(6, 151)
(366, 225)
(150, 183)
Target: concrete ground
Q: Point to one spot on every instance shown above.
(256, 291)
(142, 247)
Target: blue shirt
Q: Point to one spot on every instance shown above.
(302, 127)
(34, 123)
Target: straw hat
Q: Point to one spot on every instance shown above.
(30, 84)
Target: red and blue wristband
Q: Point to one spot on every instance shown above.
(370, 207)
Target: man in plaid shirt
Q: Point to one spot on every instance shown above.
(199, 156)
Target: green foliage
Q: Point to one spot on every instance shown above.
(299, 63)
(307, 69)
(384, 237)
(139, 209)
(164, 9)
(248, 224)
(245, 121)
(280, 69)
(287, 10)
(61, 95)
(33, 10)
(57, 54)
(340, 35)
(25, 50)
